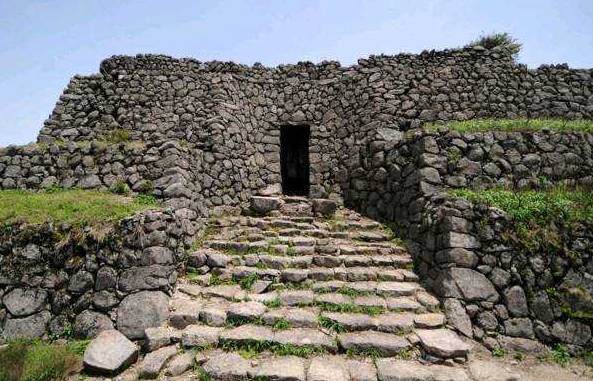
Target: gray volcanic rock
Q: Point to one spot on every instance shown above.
(23, 302)
(140, 311)
(109, 353)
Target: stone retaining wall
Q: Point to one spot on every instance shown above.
(489, 287)
(206, 136)
(229, 115)
(58, 280)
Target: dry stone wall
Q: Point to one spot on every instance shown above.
(205, 136)
(491, 287)
(230, 115)
(55, 280)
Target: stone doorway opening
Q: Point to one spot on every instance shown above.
(294, 159)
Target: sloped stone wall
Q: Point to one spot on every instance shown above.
(230, 115)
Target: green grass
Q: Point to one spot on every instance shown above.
(250, 349)
(74, 207)
(560, 355)
(281, 324)
(536, 206)
(274, 303)
(33, 360)
(484, 125)
(350, 308)
(329, 324)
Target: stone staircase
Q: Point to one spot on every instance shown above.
(301, 290)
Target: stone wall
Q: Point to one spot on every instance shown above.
(490, 287)
(57, 280)
(505, 286)
(230, 115)
(205, 136)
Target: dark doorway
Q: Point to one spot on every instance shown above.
(294, 160)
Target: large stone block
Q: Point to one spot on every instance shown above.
(140, 311)
(465, 284)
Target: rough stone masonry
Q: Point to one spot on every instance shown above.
(205, 136)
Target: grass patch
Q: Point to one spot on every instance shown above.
(281, 324)
(34, 360)
(511, 125)
(329, 324)
(246, 282)
(74, 207)
(250, 349)
(559, 354)
(540, 207)
(237, 321)
(118, 135)
(350, 308)
(274, 303)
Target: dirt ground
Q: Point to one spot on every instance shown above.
(537, 368)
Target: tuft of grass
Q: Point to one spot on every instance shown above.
(559, 354)
(118, 135)
(350, 308)
(498, 352)
(74, 207)
(511, 125)
(120, 187)
(246, 282)
(281, 324)
(274, 303)
(250, 349)
(541, 207)
(202, 375)
(329, 324)
(237, 321)
(363, 352)
(34, 360)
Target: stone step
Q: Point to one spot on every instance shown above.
(315, 273)
(280, 262)
(220, 365)
(292, 206)
(302, 341)
(290, 246)
(340, 314)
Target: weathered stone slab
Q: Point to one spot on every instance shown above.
(384, 344)
(154, 362)
(442, 342)
(288, 368)
(109, 353)
(142, 310)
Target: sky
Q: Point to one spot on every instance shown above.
(44, 43)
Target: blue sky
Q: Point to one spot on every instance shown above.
(44, 43)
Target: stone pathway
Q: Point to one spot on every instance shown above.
(297, 291)
(302, 291)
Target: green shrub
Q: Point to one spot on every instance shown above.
(560, 355)
(145, 186)
(493, 40)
